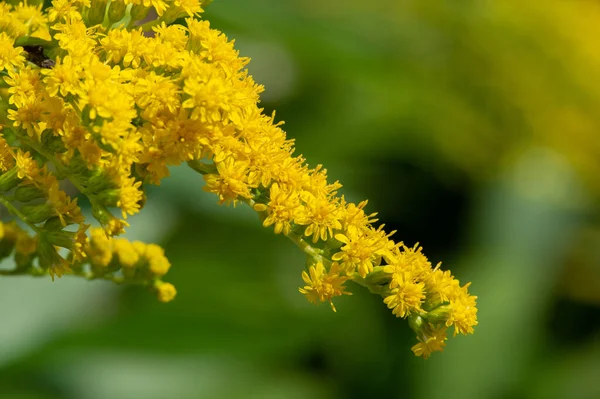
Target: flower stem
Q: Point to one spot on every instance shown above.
(12, 209)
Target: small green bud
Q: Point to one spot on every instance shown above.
(47, 254)
(99, 182)
(116, 11)
(37, 213)
(139, 12)
(53, 223)
(416, 323)
(9, 180)
(76, 166)
(28, 193)
(65, 239)
(439, 314)
(101, 214)
(52, 142)
(96, 13)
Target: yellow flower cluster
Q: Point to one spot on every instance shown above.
(93, 98)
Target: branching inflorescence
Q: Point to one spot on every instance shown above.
(95, 101)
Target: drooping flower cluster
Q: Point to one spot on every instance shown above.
(94, 99)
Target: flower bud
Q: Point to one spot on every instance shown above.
(116, 10)
(28, 193)
(96, 13)
(76, 166)
(50, 259)
(9, 180)
(52, 142)
(416, 323)
(37, 213)
(165, 291)
(139, 12)
(99, 182)
(65, 239)
(108, 197)
(439, 314)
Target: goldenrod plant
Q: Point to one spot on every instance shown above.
(99, 99)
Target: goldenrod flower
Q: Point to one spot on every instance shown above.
(113, 108)
(282, 209)
(407, 297)
(433, 341)
(322, 285)
(10, 56)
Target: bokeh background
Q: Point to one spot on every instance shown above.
(473, 127)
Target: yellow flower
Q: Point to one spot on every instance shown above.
(189, 7)
(230, 183)
(7, 161)
(130, 197)
(64, 78)
(321, 214)
(283, 208)
(159, 264)
(464, 311)
(406, 298)
(430, 342)
(156, 93)
(166, 292)
(408, 261)
(126, 252)
(359, 252)
(10, 57)
(27, 167)
(100, 251)
(24, 85)
(159, 5)
(321, 285)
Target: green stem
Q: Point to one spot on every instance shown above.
(13, 210)
(202, 168)
(308, 249)
(374, 289)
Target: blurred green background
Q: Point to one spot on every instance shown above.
(473, 127)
